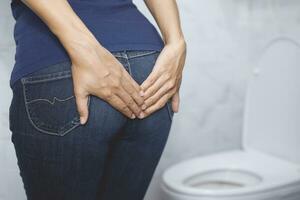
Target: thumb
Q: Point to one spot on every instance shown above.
(82, 107)
(175, 102)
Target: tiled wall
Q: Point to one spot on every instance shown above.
(224, 38)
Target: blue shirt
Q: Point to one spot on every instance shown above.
(117, 25)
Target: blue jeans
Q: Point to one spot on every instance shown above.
(111, 157)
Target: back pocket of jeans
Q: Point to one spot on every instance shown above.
(50, 102)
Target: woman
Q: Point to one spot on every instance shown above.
(94, 92)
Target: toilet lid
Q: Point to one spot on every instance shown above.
(272, 113)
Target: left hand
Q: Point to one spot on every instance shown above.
(164, 81)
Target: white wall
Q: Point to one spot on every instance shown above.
(224, 38)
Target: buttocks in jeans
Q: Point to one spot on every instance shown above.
(111, 157)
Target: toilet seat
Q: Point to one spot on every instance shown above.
(220, 179)
(270, 173)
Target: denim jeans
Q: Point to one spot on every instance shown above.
(111, 157)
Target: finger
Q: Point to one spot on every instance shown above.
(158, 105)
(82, 107)
(175, 102)
(129, 101)
(139, 96)
(136, 86)
(133, 89)
(118, 104)
(129, 78)
(153, 76)
(166, 88)
(159, 83)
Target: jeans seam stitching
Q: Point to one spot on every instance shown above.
(50, 102)
(129, 68)
(46, 77)
(119, 56)
(143, 54)
(128, 64)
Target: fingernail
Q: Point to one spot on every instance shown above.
(142, 93)
(144, 106)
(81, 120)
(142, 115)
(132, 116)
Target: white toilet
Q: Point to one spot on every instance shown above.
(268, 166)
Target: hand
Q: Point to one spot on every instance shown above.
(164, 81)
(96, 71)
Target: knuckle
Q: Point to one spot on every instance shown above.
(130, 102)
(146, 112)
(103, 84)
(125, 109)
(150, 100)
(153, 90)
(107, 74)
(80, 111)
(170, 85)
(132, 92)
(167, 75)
(118, 83)
(151, 81)
(108, 95)
(173, 82)
(160, 105)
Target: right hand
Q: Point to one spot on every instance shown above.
(96, 71)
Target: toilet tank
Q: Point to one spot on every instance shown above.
(272, 108)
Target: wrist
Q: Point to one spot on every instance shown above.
(75, 39)
(177, 43)
(173, 36)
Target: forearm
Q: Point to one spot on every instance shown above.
(166, 14)
(63, 22)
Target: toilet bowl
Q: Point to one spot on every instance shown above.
(234, 175)
(268, 165)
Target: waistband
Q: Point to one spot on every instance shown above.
(128, 54)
